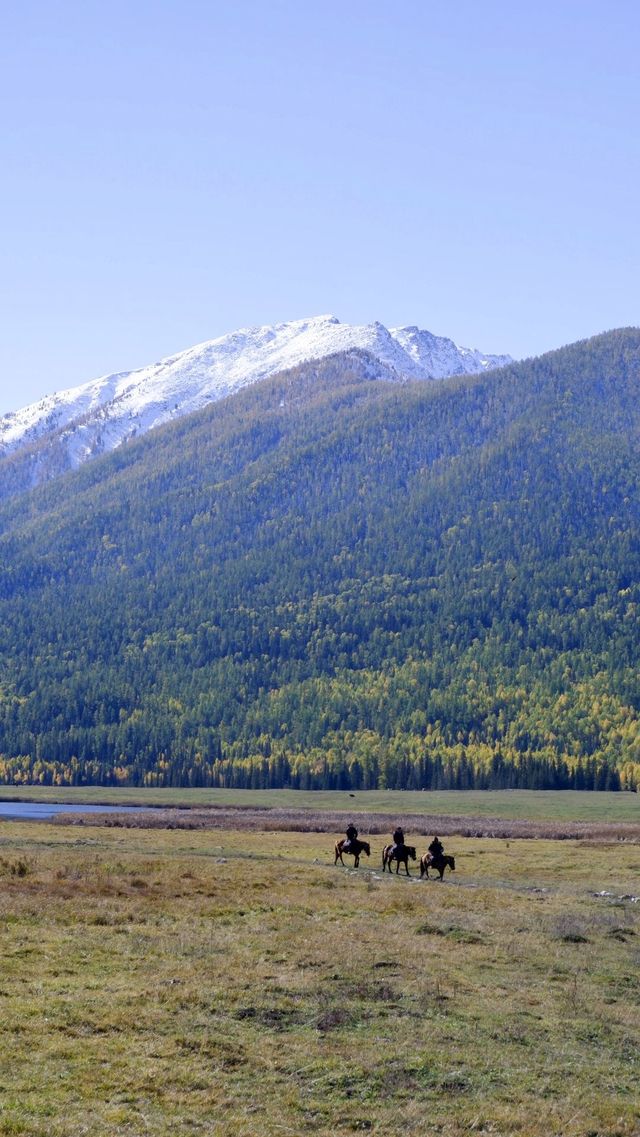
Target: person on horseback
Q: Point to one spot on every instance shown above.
(398, 839)
(436, 848)
(352, 833)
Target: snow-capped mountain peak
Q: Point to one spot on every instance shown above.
(99, 415)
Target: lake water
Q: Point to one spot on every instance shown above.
(43, 811)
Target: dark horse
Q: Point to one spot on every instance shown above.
(399, 853)
(438, 863)
(356, 847)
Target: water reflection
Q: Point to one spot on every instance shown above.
(43, 811)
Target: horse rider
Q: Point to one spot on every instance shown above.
(398, 839)
(436, 848)
(352, 833)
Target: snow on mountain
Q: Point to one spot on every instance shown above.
(99, 415)
(435, 357)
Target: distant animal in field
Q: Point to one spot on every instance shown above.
(428, 861)
(356, 847)
(400, 854)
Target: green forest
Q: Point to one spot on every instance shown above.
(333, 581)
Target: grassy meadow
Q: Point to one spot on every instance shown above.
(237, 983)
(533, 805)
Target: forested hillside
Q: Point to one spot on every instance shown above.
(331, 580)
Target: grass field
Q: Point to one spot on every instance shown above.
(564, 805)
(160, 982)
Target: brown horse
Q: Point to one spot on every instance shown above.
(356, 847)
(399, 853)
(428, 861)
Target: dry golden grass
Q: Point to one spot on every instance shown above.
(158, 982)
(307, 820)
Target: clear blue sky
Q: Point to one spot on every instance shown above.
(175, 170)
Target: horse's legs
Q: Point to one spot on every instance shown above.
(356, 860)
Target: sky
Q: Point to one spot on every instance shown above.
(172, 171)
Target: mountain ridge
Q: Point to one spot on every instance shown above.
(328, 579)
(98, 416)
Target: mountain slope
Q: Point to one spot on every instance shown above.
(329, 579)
(69, 427)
